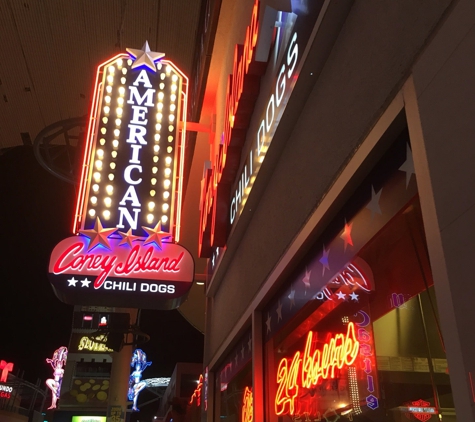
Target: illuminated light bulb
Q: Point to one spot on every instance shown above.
(92, 212)
(170, 138)
(261, 159)
(150, 218)
(156, 148)
(129, 62)
(166, 195)
(118, 110)
(171, 118)
(93, 200)
(99, 165)
(170, 128)
(162, 85)
(165, 207)
(110, 79)
(116, 133)
(174, 87)
(102, 141)
(107, 99)
(159, 116)
(107, 109)
(107, 201)
(162, 76)
(157, 137)
(95, 187)
(124, 70)
(164, 218)
(168, 161)
(160, 96)
(112, 166)
(169, 149)
(111, 69)
(173, 98)
(166, 184)
(118, 122)
(172, 107)
(152, 193)
(121, 90)
(100, 153)
(151, 206)
(106, 214)
(97, 176)
(111, 177)
(120, 101)
(120, 63)
(167, 172)
(153, 181)
(103, 130)
(115, 143)
(114, 154)
(160, 106)
(105, 120)
(123, 80)
(109, 189)
(174, 78)
(159, 66)
(155, 159)
(154, 170)
(168, 69)
(108, 89)
(158, 127)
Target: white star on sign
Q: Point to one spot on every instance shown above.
(341, 295)
(85, 282)
(72, 282)
(408, 165)
(268, 322)
(354, 296)
(279, 311)
(145, 57)
(373, 205)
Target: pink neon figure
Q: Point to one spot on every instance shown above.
(136, 385)
(54, 384)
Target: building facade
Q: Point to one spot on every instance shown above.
(337, 212)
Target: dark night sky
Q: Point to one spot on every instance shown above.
(35, 214)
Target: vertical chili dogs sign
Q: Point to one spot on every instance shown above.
(227, 184)
(129, 199)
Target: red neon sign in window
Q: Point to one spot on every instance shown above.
(247, 414)
(197, 393)
(308, 368)
(5, 367)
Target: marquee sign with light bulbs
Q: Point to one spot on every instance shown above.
(129, 200)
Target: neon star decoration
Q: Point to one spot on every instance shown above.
(155, 235)
(128, 238)
(98, 235)
(145, 57)
(346, 235)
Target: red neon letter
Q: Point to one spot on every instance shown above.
(5, 368)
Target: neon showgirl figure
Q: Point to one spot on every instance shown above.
(57, 363)
(136, 385)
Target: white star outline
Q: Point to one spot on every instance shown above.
(85, 282)
(72, 282)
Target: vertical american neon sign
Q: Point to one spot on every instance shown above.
(133, 160)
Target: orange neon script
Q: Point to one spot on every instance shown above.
(247, 406)
(307, 368)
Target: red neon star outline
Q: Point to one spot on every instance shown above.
(128, 238)
(346, 235)
(98, 235)
(155, 235)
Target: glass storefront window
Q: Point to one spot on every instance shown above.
(368, 346)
